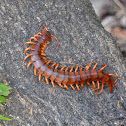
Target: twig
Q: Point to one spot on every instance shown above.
(120, 5)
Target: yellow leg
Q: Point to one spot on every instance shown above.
(35, 72)
(77, 87)
(76, 68)
(54, 63)
(93, 84)
(57, 65)
(48, 62)
(47, 81)
(102, 86)
(40, 77)
(72, 87)
(71, 69)
(98, 86)
(29, 64)
(66, 69)
(28, 43)
(81, 68)
(105, 65)
(43, 54)
(26, 57)
(82, 85)
(95, 65)
(32, 38)
(62, 68)
(29, 48)
(36, 36)
(66, 86)
(89, 84)
(53, 84)
(60, 85)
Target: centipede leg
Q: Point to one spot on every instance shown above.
(60, 85)
(43, 46)
(98, 86)
(48, 62)
(71, 69)
(81, 68)
(55, 69)
(35, 72)
(88, 66)
(114, 76)
(39, 34)
(72, 87)
(33, 39)
(65, 85)
(36, 36)
(95, 65)
(105, 65)
(29, 48)
(47, 81)
(29, 64)
(76, 68)
(43, 54)
(89, 84)
(102, 86)
(40, 77)
(53, 84)
(56, 66)
(62, 68)
(42, 49)
(82, 85)
(44, 59)
(29, 43)
(26, 57)
(77, 86)
(93, 84)
(66, 69)
(54, 63)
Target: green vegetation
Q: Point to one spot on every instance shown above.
(4, 91)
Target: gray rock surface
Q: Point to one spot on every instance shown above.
(82, 40)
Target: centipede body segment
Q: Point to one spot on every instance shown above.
(73, 77)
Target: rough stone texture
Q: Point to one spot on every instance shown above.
(82, 40)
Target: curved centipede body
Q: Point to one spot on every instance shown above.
(74, 76)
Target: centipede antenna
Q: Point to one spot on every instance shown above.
(56, 40)
(43, 26)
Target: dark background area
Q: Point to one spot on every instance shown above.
(82, 40)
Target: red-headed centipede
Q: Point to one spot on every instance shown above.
(64, 76)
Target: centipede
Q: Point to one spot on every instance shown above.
(74, 76)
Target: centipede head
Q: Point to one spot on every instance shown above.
(46, 35)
